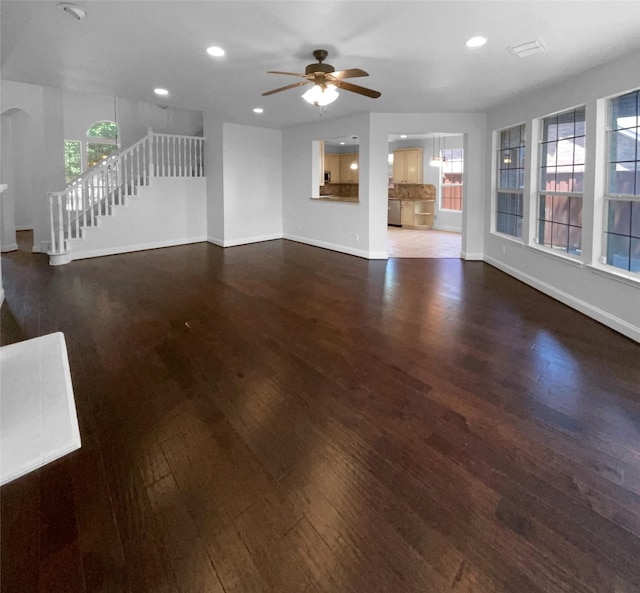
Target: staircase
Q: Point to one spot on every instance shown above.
(99, 192)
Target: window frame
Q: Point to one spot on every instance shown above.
(520, 191)
(457, 185)
(609, 197)
(538, 242)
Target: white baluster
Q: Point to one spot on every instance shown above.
(60, 227)
(52, 226)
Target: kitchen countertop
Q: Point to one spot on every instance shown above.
(336, 199)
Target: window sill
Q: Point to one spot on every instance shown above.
(510, 238)
(615, 274)
(563, 257)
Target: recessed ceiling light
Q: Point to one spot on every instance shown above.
(215, 51)
(161, 92)
(341, 143)
(75, 11)
(476, 41)
(258, 110)
(403, 135)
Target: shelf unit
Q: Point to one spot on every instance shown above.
(417, 214)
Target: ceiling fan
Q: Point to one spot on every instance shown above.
(325, 80)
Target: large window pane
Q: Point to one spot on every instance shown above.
(619, 219)
(618, 251)
(72, 160)
(635, 220)
(99, 152)
(624, 111)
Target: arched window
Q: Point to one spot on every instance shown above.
(102, 140)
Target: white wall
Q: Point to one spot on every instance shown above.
(600, 292)
(134, 118)
(341, 226)
(52, 115)
(29, 193)
(252, 184)
(170, 211)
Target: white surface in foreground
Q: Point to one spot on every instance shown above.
(38, 421)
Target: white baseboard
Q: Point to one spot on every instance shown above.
(138, 247)
(9, 247)
(244, 241)
(43, 248)
(336, 247)
(471, 256)
(615, 323)
(24, 227)
(1, 296)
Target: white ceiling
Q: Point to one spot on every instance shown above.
(414, 51)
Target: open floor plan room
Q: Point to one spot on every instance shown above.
(278, 417)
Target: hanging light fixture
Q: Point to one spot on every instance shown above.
(321, 95)
(354, 163)
(435, 160)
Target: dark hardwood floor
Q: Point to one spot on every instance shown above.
(280, 418)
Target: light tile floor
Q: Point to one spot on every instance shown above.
(426, 244)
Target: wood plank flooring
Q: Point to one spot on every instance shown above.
(281, 418)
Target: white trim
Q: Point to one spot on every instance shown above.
(139, 247)
(24, 227)
(9, 247)
(245, 241)
(448, 229)
(617, 274)
(1, 296)
(599, 315)
(574, 260)
(471, 256)
(338, 248)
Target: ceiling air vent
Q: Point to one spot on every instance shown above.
(526, 49)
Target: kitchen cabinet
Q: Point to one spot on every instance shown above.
(347, 174)
(332, 164)
(417, 214)
(407, 165)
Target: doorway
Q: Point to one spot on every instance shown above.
(426, 184)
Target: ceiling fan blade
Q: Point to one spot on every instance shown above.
(285, 73)
(354, 88)
(351, 73)
(284, 88)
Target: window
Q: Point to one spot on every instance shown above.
(561, 181)
(622, 201)
(72, 159)
(451, 184)
(100, 141)
(510, 181)
(105, 141)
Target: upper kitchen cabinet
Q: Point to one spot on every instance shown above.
(332, 166)
(348, 174)
(407, 165)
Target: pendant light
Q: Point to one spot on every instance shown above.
(354, 164)
(435, 160)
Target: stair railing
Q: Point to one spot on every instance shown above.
(105, 185)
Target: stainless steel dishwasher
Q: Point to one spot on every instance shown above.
(394, 212)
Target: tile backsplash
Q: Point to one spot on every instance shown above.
(409, 191)
(344, 190)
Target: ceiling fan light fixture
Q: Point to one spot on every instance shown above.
(319, 96)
